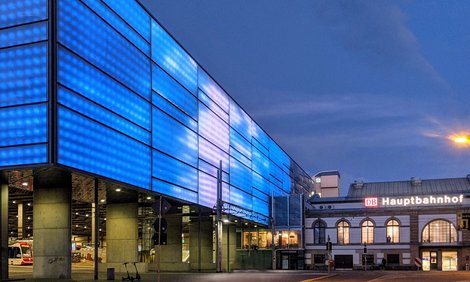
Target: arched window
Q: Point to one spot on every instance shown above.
(343, 232)
(367, 232)
(319, 228)
(439, 231)
(393, 231)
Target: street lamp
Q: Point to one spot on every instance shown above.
(463, 139)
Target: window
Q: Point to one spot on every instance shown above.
(439, 231)
(257, 239)
(318, 259)
(185, 239)
(393, 231)
(393, 259)
(319, 228)
(343, 232)
(367, 232)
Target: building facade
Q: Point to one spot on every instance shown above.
(402, 224)
(99, 94)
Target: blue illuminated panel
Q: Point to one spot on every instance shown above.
(213, 128)
(240, 121)
(213, 106)
(174, 190)
(22, 11)
(207, 190)
(212, 155)
(23, 155)
(213, 90)
(86, 34)
(241, 145)
(23, 74)
(260, 206)
(169, 108)
(98, 113)
(167, 87)
(260, 163)
(133, 14)
(240, 176)
(89, 146)
(171, 170)
(23, 34)
(241, 198)
(265, 186)
(114, 20)
(260, 139)
(80, 76)
(172, 58)
(261, 184)
(173, 138)
(23, 125)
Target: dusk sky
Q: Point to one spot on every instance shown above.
(370, 88)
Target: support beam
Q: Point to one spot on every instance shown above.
(121, 228)
(96, 229)
(52, 221)
(218, 234)
(3, 225)
(21, 231)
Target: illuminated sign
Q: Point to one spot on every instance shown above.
(371, 202)
(412, 201)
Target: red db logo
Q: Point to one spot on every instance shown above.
(371, 202)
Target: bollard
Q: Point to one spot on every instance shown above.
(110, 273)
(466, 267)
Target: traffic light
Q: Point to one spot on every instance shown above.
(160, 227)
(365, 249)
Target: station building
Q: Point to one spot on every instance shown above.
(406, 224)
(101, 112)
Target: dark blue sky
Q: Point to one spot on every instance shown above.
(370, 88)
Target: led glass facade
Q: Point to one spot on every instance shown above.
(23, 82)
(130, 105)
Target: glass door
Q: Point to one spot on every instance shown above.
(426, 260)
(433, 261)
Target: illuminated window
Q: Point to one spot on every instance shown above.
(393, 231)
(319, 228)
(439, 231)
(367, 232)
(185, 240)
(260, 239)
(343, 232)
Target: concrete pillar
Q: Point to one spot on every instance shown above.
(229, 247)
(3, 225)
(203, 236)
(172, 252)
(121, 229)
(52, 224)
(20, 220)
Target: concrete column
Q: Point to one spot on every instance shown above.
(172, 252)
(3, 225)
(205, 238)
(229, 247)
(93, 221)
(52, 224)
(20, 220)
(121, 229)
